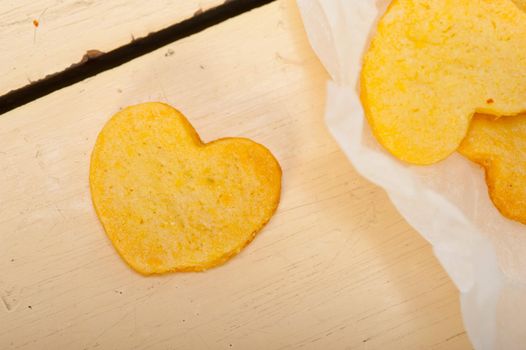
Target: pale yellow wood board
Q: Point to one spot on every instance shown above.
(67, 29)
(336, 268)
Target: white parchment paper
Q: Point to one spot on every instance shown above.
(448, 203)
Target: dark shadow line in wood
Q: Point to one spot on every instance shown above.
(95, 62)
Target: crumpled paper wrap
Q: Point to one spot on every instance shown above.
(448, 203)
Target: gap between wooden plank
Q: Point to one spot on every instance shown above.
(95, 62)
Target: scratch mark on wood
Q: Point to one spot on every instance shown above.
(456, 335)
(286, 60)
(36, 24)
(60, 212)
(10, 297)
(107, 329)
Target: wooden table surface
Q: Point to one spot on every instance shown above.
(336, 268)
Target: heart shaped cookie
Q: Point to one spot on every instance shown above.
(169, 202)
(499, 145)
(433, 63)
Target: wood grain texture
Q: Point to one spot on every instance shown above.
(66, 30)
(336, 268)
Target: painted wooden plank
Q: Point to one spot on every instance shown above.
(336, 268)
(40, 37)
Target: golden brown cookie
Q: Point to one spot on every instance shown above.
(433, 63)
(169, 202)
(499, 145)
